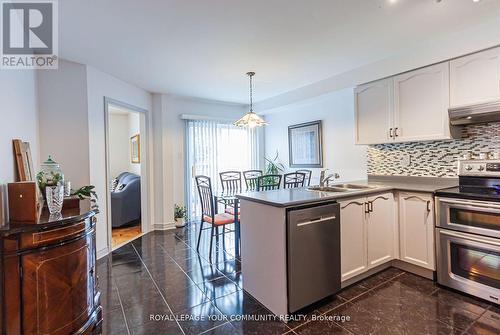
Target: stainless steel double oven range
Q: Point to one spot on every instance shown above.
(468, 231)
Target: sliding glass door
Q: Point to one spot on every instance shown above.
(213, 147)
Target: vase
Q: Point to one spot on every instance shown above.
(179, 223)
(55, 198)
(50, 175)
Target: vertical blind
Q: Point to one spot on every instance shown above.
(213, 147)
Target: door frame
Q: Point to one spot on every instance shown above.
(145, 168)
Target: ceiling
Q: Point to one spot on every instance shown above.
(203, 48)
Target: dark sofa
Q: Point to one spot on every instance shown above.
(126, 200)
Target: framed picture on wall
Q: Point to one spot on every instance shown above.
(135, 149)
(305, 145)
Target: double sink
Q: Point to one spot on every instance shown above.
(340, 188)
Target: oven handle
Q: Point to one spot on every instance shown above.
(470, 204)
(469, 237)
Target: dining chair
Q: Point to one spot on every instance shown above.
(294, 179)
(230, 181)
(269, 182)
(251, 177)
(308, 174)
(204, 185)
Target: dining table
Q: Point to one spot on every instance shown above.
(228, 198)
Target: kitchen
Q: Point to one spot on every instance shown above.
(307, 167)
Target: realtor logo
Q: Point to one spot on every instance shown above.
(29, 34)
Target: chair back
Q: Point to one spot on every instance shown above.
(269, 182)
(230, 181)
(251, 177)
(308, 174)
(294, 179)
(204, 186)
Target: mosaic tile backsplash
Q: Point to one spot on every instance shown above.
(432, 159)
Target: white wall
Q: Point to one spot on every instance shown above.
(64, 128)
(119, 152)
(134, 128)
(99, 86)
(122, 126)
(169, 145)
(19, 118)
(336, 110)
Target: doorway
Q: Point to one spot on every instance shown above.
(126, 158)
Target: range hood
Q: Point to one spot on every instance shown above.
(480, 113)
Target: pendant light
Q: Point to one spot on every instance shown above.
(250, 119)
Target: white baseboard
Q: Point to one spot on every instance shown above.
(163, 226)
(102, 253)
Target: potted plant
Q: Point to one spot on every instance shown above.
(180, 216)
(273, 166)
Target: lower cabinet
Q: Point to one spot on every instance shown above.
(416, 229)
(367, 229)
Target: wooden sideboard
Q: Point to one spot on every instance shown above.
(48, 276)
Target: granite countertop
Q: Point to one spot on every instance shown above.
(299, 196)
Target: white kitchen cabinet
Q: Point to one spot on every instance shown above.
(416, 227)
(353, 238)
(475, 78)
(381, 222)
(367, 233)
(421, 102)
(374, 109)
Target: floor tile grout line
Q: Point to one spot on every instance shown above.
(121, 305)
(206, 331)
(340, 325)
(161, 294)
(195, 284)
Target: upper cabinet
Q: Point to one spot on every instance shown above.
(421, 102)
(412, 106)
(475, 78)
(374, 109)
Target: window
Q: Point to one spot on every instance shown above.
(213, 147)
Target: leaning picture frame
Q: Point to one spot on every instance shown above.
(305, 145)
(135, 149)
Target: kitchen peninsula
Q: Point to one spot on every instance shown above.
(301, 245)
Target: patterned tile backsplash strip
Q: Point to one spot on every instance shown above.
(432, 159)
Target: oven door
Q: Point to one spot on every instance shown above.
(469, 263)
(477, 217)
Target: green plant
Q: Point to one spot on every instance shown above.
(87, 192)
(180, 212)
(273, 166)
(52, 180)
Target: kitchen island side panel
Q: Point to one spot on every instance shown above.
(263, 254)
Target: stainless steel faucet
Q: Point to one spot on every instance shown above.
(326, 180)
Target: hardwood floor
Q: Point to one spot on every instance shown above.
(124, 234)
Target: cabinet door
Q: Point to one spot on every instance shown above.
(58, 288)
(416, 224)
(381, 229)
(475, 78)
(352, 238)
(373, 109)
(421, 104)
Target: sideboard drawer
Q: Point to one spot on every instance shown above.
(51, 236)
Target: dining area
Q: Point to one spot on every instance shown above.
(219, 204)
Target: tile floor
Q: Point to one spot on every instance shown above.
(147, 282)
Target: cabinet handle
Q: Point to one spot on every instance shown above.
(390, 133)
(396, 132)
(370, 203)
(428, 205)
(367, 207)
(353, 202)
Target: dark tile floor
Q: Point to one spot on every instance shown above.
(159, 284)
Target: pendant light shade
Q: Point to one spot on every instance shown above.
(250, 119)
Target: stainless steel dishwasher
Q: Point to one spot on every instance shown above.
(313, 252)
